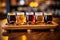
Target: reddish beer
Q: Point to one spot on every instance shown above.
(30, 17)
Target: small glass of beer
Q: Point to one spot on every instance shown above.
(11, 18)
(48, 18)
(30, 17)
(21, 18)
(39, 17)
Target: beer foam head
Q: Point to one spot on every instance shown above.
(47, 13)
(38, 13)
(20, 13)
(12, 13)
(29, 13)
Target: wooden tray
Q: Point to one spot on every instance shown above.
(38, 26)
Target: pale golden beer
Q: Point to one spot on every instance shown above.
(20, 19)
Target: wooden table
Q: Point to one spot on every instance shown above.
(29, 27)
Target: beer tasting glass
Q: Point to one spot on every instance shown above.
(11, 18)
(30, 17)
(39, 17)
(48, 18)
(20, 18)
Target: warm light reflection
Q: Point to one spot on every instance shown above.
(48, 2)
(4, 22)
(33, 4)
(3, 4)
(13, 2)
(23, 37)
(5, 37)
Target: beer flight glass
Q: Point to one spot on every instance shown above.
(20, 18)
(48, 18)
(30, 17)
(11, 18)
(39, 17)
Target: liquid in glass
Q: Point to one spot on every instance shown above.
(21, 18)
(30, 17)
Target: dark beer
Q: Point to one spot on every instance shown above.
(11, 18)
(48, 18)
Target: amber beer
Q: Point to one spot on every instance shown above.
(48, 18)
(39, 17)
(11, 18)
(20, 19)
(30, 17)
